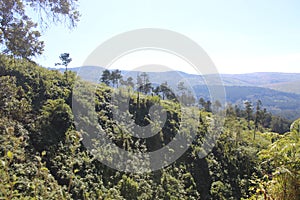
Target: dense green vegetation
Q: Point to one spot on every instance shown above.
(42, 155)
(278, 91)
(279, 103)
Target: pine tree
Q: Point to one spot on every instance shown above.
(106, 77)
(249, 111)
(115, 77)
(65, 61)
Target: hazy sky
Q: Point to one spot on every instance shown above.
(240, 36)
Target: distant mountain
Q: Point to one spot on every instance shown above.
(273, 80)
(88, 73)
(292, 86)
(279, 92)
(261, 79)
(93, 74)
(281, 103)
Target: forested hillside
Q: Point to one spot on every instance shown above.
(43, 155)
(278, 91)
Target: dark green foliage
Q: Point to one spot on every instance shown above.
(42, 155)
(278, 103)
(23, 174)
(239, 87)
(112, 78)
(281, 163)
(19, 35)
(105, 78)
(116, 77)
(13, 101)
(52, 124)
(249, 111)
(165, 91)
(65, 61)
(280, 125)
(143, 83)
(128, 83)
(207, 105)
(39, 84)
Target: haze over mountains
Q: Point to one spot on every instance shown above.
(279, 92)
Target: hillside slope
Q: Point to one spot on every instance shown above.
(44, 156)
(277, 91)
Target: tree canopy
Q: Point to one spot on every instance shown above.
(42, 154)
(20, 31)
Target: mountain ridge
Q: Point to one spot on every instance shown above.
(262, 86)
(273, 80)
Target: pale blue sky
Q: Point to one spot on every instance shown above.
(240, 36)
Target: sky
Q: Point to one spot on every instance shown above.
(240, 36)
